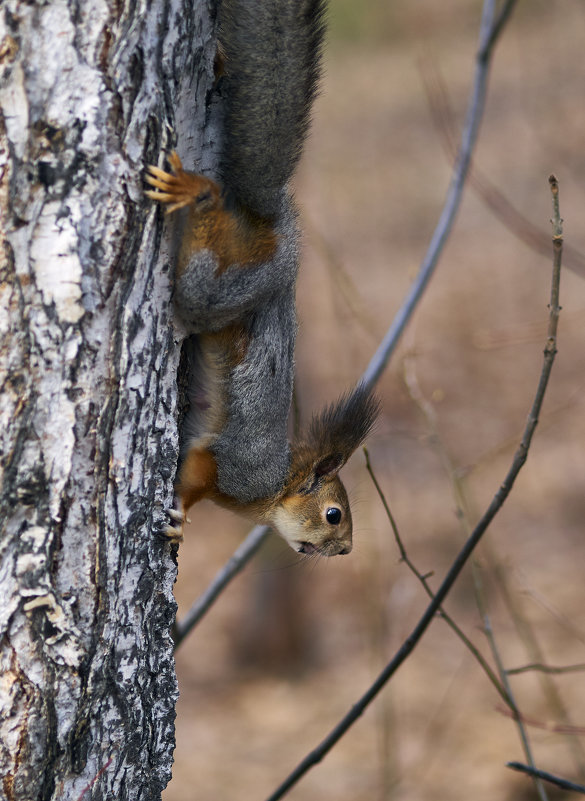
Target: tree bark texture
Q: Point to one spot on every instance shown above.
(90, 91)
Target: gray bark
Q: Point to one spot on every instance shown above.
(89, 92)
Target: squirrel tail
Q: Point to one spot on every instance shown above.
(271, 51)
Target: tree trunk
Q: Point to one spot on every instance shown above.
(88, 359)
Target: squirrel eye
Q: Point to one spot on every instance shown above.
(333, 515)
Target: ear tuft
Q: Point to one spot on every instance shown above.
(342, 427)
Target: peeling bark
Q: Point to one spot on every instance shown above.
(88, 358)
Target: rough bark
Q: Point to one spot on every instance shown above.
(89, 93)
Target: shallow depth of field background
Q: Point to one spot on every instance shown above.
(292, 644)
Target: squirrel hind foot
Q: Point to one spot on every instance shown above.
(174, 535)
(179, 188)
(174, 531)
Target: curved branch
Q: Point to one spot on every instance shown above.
(488, 36)
(236, 563)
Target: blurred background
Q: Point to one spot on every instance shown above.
(293, 643)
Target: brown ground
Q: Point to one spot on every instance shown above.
(291, 645)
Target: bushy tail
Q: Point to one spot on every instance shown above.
(272, 51)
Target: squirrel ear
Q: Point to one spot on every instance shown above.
(328, 466)
(334, 435)
(323, 469)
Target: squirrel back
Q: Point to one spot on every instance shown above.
(271, 51)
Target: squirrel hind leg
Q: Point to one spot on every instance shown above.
(197, 477)
(197, 480)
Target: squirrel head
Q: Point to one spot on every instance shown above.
(312, 513)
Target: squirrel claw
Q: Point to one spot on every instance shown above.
(176, 515)
(176, 167)
(176, 189)
(174, 531)
(174, 535)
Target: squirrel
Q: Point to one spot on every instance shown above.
(236, 252)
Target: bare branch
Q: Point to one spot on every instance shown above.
(547, 725)
(424, 581)
(539, 667)
(237, 562)
(563, 620)
(344, 284)
(501, 207)
(496, 29)
(489, 33)
(463, 514)
(529, 637)
(547, 777)
(500, 497)
(519, 720)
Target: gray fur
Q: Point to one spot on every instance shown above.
(272, 60)
(209, 302)
(272, 54)
(252, 450)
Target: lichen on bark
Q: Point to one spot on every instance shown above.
(88, 360)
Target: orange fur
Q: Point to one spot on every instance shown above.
(198, 477)
(235, 237)
(198, 481)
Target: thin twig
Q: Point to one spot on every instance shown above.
(539, 667)
(547, 777)
(573, 732)
(563, 620)
(464, 516)
(424, 581)
(549, 353)
(489, 633)
(237, 562)
(504, 490)
(529, 637)
(496, 29)
(344, 283)
(381, 357)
